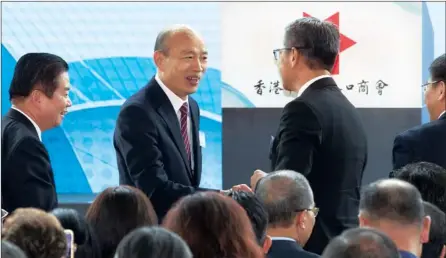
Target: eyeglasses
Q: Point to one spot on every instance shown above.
(276, 52)
(314, 210)
(426, 85)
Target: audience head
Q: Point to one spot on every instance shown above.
(437, 236)
(117, 211)
(152, 242)
(10, 250)
(310, 47)
(213, 225)
(181, 58)
(396, 208)
(428, 178)
(361, 243)
(288, 200)
(40, 86)
(256, 213)
(435, 89)
(84, 238)
(36, 232)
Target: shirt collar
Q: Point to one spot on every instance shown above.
(406, 254)
(283, 238)
(308, 83)
(442, 114)
(39, 132)
(176, 101)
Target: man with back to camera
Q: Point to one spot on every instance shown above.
(321, 134)
(427, 142)
(39, 96)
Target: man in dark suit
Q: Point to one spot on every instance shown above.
(427, 142)
(39, 96)
(288, 200)
(157, 132)
(321, 134)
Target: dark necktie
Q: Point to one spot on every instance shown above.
(183, 123)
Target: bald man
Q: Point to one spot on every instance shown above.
(156, 137)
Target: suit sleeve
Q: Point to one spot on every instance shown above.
(137, 141)
(300, 135)
(401, 153)
(32, 182)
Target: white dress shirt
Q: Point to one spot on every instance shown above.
(283, 238)
(177, 102)
(442, 114)
(39, 132)
(308, 83)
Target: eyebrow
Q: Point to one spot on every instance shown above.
(185, 52)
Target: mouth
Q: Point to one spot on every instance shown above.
(63, 113)
(193, 80)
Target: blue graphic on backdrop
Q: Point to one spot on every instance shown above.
(81, 149)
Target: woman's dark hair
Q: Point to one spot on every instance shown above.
(84, 237)
(213, 225)
(152, 242)
(117, 211)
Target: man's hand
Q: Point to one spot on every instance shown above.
(241, 187)
(258, 174)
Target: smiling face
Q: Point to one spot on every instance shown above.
(183, 62)
(53, 109)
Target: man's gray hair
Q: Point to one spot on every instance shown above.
(284, 193)
(316, 40)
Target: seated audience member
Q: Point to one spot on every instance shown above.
(288, 200)
(214, 226)
(428, 178)
(395, 207)
(86, 244)
(256, 213)
(435, 248)
(10, 250)
(361, 243)
(36, 232)
(152, 242)
(116, 212)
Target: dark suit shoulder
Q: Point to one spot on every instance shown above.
(15, 134)
(431, 129)
(288, 249)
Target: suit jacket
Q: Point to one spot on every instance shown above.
(27, 176)
(288, 249)
(150, 150)
(426, 142)
(321, 136)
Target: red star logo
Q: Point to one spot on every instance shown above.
(344, 41)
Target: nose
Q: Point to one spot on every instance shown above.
(200, 65)
(69, 102)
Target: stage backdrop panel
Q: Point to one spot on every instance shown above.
(379, 63)
(109, 48)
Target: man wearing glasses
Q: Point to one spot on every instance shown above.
(321, 134)
(288, 199)
(428, 141)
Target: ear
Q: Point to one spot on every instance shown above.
(267, 244)
(442, 90)
(363, 222)
(425, 229)
(36, 96)
(294, 57)
(299, 220)
(158, 58)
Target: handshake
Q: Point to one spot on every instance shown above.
(255, 178)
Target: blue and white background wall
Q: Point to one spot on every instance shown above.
(109, 48)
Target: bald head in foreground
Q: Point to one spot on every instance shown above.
(395, 207)
(361, 243)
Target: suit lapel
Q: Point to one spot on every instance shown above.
(167, 113)
(195, 140)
